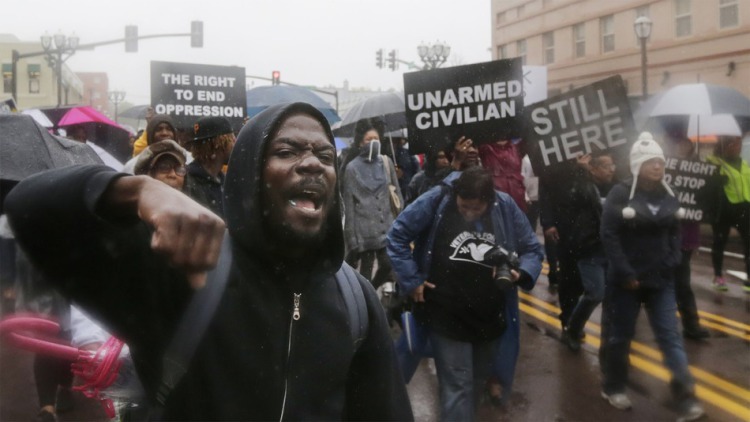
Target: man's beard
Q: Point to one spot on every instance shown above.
(283, 237)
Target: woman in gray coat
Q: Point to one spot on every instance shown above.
(367, 206)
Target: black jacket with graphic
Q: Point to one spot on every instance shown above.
(254, 362)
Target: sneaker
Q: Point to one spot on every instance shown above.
(691, 410)
(64, 400)
(697, 333)
(388, 288)
(720, 284)
(618, 400)
(45, 416)
(572, 341)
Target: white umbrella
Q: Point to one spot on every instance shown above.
(716, 125)
(40, 117)
(699, 99)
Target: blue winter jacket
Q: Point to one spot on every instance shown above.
(418, 223)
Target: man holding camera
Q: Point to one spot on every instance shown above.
(468, 301)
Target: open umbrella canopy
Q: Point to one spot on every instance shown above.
(135, 112)
(40, 117)
(85, 114)
(389, 107)
(100, 130)
(27, 148)
(262, 97)
(677, 104)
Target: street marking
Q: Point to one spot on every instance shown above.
(729, 331)
(719, 318)
(704, 316)
(651, 368)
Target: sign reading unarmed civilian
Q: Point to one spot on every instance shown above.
(595, 117)
(481, 101)
(690, 181)
(187, 92)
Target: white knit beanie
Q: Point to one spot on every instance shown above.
(644, 149)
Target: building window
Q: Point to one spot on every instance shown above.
(548, 44)
(500, 18)
(7, 77)
(642, 11)
(519, 11)
(607, 25)
(33, 85)
(521, 50)
(728, 14)
(502, 51)
(579, 39)
(97, 80)
(683, 19)
(546, 3)
(96, 95)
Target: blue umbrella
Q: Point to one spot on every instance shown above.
(262, 97)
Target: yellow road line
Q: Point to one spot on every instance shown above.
(723, 320)
(704, 393)
(649, 352)
(730, 331)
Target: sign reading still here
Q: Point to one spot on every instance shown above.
(595, 117)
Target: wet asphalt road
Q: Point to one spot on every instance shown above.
(552, 383)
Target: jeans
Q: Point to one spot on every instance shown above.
(570, 288)
(661, 309)
(592, 269)
(462, 369)
(732, 215)
(685, 297)
(365, 261)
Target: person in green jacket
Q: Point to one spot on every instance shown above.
(733, 205)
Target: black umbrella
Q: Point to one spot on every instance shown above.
(27, 148)
(135, 112)
(389, 107)
(262, 97)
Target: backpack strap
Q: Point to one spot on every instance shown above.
(194, 322)
(354, 298)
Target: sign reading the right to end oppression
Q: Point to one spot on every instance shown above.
(595, 117)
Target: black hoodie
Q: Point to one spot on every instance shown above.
(254, 362)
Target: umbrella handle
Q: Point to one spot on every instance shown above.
(14, 329)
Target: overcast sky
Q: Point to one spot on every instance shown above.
(311, 42)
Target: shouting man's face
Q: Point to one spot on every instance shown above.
(299, 179)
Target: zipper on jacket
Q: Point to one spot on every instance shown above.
(295, 317)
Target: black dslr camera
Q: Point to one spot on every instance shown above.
(503, 261)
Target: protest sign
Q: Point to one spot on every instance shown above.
(481, 101)
(690, 181)
(595, 117)
(187, 92)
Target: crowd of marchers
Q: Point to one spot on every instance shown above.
(261, 232)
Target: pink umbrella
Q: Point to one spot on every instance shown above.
(86, 114)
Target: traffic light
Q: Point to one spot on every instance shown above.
(379, 58)
(196, 34)
(392, 60)
(131, 38)
(275, 77)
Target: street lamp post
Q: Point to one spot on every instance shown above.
(433, 55)
(63, 45)
(116, 97)
(642, 27)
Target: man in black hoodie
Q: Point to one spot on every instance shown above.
(279, 346)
